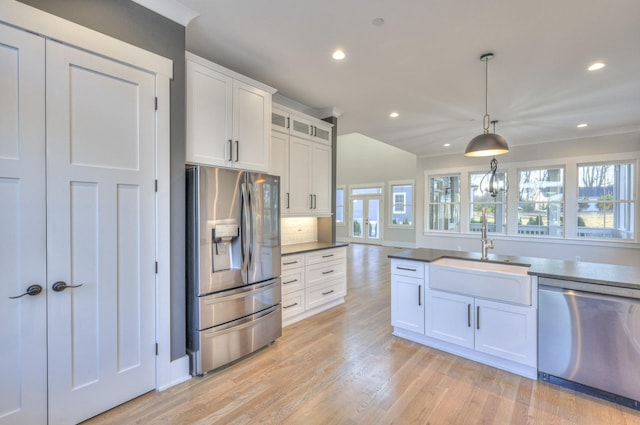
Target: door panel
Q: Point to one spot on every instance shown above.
(100, 232)
(23, 369)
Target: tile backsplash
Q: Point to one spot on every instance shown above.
(298, 230)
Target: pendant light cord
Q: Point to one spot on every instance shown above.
(486, 120)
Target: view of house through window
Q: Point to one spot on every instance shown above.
(365, 212)
(541, 202)
(401, 204)
(606, 204)
(339, 205)
(496, 207)
(444, 203)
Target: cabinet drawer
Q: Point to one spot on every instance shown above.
(292, 261)
(324, 271)
(326, 255)
(292, 280)
(321, 294)
(407, 268)
(292, 303)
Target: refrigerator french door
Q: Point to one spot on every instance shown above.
(233, 265)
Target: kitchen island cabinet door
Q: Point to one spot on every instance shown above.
(450, 317)
(407, 303)
(506, 331)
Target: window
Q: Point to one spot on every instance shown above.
(541, 202)
(444, 203)
(496, 207)
(401, 204)
(606, 204)
(340, 205)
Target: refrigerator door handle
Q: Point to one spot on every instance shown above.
(250, 222)
(245, 226)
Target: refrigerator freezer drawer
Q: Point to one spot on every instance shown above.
(237, 339)
(227, 306)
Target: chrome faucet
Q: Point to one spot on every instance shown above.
(486, 244)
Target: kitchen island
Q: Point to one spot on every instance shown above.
(584, 331)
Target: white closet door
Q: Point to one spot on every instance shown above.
(100, 232)
(23, 343)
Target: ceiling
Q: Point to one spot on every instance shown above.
(424, 63)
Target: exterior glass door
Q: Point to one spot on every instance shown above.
(366, 223)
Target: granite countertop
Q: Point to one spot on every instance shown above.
(578, 271)
(308, 247)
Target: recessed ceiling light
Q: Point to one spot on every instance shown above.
(596, 66)
(338, 55)
(583, 125)
(394, 115)
(446, 145)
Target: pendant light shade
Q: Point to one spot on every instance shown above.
(487, 144)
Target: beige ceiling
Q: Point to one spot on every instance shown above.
(424, 63)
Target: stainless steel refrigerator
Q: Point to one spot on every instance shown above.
(233, 265)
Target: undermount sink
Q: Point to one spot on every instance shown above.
(496, 281)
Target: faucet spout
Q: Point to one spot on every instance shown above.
(486, 243)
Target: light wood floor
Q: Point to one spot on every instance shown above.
(344, 367)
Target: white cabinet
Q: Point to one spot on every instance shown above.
(228, 117)
(499, 329)
(305, 144)
(279, 166)
(407, 295)
(299, 125)
(309, 177)
(313, 282)
(500, 334)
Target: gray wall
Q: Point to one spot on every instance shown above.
(132, 23)
(361, 159)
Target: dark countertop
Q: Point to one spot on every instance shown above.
(577, 271)
(308, 247)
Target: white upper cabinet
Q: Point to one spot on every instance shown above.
(301, 154)
(228, 117)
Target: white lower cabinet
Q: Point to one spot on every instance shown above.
(499, 334)
(313, 282)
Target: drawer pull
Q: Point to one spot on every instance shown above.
(328, 255)
(291, 281)
(327, 272)
(289, 306)
(327, 293)
(407, 269)
(288, 263)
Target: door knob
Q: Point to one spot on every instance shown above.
(61, 286)
(31, 290)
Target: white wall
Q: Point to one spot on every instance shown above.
(363, 160)
(625, 146)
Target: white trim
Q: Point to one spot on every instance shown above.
(170, 9)
(39, 22)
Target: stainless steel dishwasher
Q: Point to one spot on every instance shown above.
(590, 335)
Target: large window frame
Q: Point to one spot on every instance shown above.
(402, 204)
(606, 194)
(444, 199)
(341, 193)
(496, 207)
(567, 216)
(541, 201)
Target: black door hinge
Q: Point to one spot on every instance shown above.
(156, 348)
(156, 103)
(156, 185)
(156, 267)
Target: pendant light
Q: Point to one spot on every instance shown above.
(487, 144)
(493, 182)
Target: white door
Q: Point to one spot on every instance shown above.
(251, 127)
(300, 199)
(366, 224)
(321, 178)
(100, 232)
(450, 317)
(407, 303)
(23, 338)
(279, 166)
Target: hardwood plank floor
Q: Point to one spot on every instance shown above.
(344, 367)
